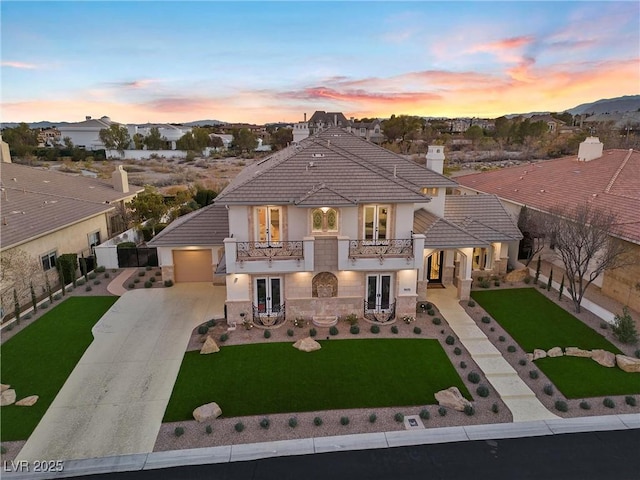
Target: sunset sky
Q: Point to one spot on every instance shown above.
(273, 61)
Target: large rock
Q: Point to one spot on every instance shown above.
(28, 401)
(206, 412)
(538, 354)
(530, 357)
(307, 345)
(555, 352)
(517, 275)
(209, 346)
(577, 352)
(452, 398)
(628, 364)
(4, 387)
(8, 397)
(604, 358)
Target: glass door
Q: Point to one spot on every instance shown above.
(434, 267)
(268, 224)
(375, 222)
(268, 295)
(379, 293)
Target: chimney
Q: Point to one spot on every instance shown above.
(305, 116)
(590, 149)
(88, 117)
(435, 158)
(335, 120)
(120, 180)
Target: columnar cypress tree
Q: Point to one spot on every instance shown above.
(550, 280)
(61, 279)
(34, 300)
(538, 265)
(16, 303)
(561, 288)
(48, 286)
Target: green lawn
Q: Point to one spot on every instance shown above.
(38, 360)
(536, 322)
(276, 378)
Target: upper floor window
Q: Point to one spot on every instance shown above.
(480, 258)
(375, 222)
(324, 220)
(94, 239)
(268, 224)
(431, 191)
(48, 260)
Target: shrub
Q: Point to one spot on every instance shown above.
(469, 410)
(106, 275)
(584, 405)
(372, 418)
(424, 414)
(511, 348)
(289, 332)
(436, 321)
(132, 285)
(238, 427)
(168, 283)
(471, 303)
(431, 312)
(533, 374)
(178, 431)
(561, 406)
(211, 323)
(141, 273)
(136, 280)
(96, 282)
(88, 288)
(486, 319)
(344, 420)
(408, 319)
(148, 284)
(100, 269)
(293, 422)
(399, 417)
(501, 338)
(267, 334)
(473, 377)
(624, 327)
(265, 423)
(152, 279)
(299, 322)
(57, 297)
(609, 403)
(158, 273)
(483, 391)
(457, 351)
(355, 329)
(630, 400)
(148, 268)
(352, 319)
(224, 337)
(527, 280)
(317, 421)
(637, 353)
(484, 284)
(80, 281)
(417, 330)
(91, 276)
(313, 332)
(604, 325)
(494, 408)
(333, 330)
(548, 389)
(208, 429)
(522, 362)
(202, 329)
(442, 411)
(449, 340)
(463, 364)
(27, 316)
(394, 329)
(492, 329)
(496, 283)
(3, 450)
(375, 329)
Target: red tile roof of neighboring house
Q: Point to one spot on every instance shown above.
(611, 182)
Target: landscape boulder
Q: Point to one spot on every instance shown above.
(307, 344)
(604, 358)
(530, 357)
(206, 412)
(452, 398)
(4, 387)
(28, 401)
(517, 275)
(577, 352)
(209, 346)
(539, 353)
(8, 397)
(628, 364)
(555, 352)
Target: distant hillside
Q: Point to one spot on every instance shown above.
(628, 103)
(43, 124)
(202, 123)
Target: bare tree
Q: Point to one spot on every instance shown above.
(17, 270)
(582, 238)
(533, 225)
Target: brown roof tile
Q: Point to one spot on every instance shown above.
(208, 226)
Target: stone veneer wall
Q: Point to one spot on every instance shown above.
(167, 273)
(309, 307)
(623, 284)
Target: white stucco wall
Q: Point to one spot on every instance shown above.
(239, 222)
(404, 220)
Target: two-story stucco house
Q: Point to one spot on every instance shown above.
(337, 225)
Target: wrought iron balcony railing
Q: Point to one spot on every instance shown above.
(269, 250)
(374, 313)
(268, 319)
(381, 248)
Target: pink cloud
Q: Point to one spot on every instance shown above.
(506, 44)
(20, 65)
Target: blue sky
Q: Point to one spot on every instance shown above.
(273, 61)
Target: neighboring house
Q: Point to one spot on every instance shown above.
(47, 213)
(371, 131)
(605, 179)
(227, 139)
(86, 134)
(48, 137)
(321, 120)
(553, 124)
(169, 133)
(337, 225)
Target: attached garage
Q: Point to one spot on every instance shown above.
(193, 265)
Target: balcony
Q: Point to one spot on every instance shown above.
(269, 250)
(269, 257)
(388, 254)
(381, 248)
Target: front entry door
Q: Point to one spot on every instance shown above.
(379, 293)
(268, 295)
(434, 267)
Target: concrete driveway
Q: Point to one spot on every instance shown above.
(114, 400)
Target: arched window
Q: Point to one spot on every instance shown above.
(324, 220)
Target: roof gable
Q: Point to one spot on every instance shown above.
(208, 226)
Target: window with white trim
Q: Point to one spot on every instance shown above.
(48, 260)
(324, 220)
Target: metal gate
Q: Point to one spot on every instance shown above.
(137, 257)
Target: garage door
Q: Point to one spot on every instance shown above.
(192, 266)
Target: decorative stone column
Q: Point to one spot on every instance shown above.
(422, 290)
(167, 273)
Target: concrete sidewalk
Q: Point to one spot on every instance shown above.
(515, 393)
(116, 286)
(114, 400)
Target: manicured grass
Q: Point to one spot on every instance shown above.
(277, 378)
(40, 358)
(536, 322)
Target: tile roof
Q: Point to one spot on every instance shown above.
(610, 182)
(35, 201)
(440, 233)
(205, 227)
(346, 165)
